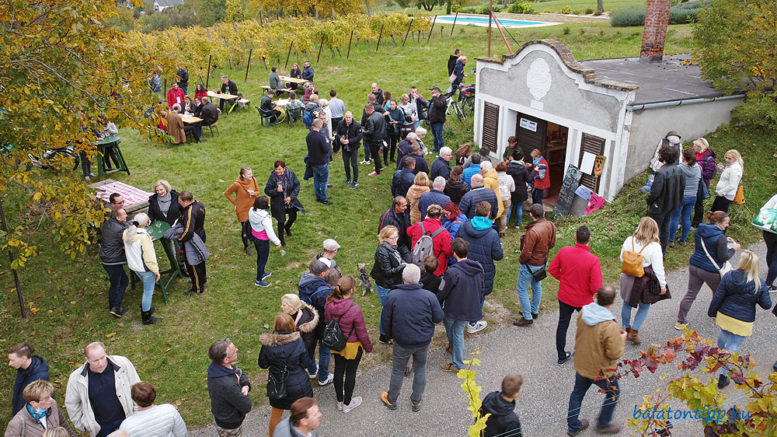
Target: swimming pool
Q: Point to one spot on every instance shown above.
(483, 21)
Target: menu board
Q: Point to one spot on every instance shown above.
(567, 193)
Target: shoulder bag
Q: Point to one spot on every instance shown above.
(333, 335)
(721, 269)
(739, 198)
(632, 261)
(277, 383)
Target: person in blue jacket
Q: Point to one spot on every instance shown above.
(29, 368)
(733, 306)
(313, 290)
(503, 421)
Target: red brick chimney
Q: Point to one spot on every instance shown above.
(654, 35)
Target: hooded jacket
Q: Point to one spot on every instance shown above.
(140, 253)
(737, 298)
(409, 315)
(352, 321)
(521, 177)
(579, 274)
(706, 161)
(461, 290)
(503, 421)
(441, 244)
(242, 201)
(227, 403)
(413, 196)
(456, 189)
(306, 325)
(491, 181)
(38, 369)
(715, 241)
(111, 244)
(286, 350)
(598, 342)
(261, 221)
(313, 290)
(536, 242)
(484, 247)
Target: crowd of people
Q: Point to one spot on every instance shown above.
(437, 249)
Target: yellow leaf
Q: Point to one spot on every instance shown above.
(110, 335)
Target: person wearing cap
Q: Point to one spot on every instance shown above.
(314, 291)
(437, 107)
(671, 138)
(328, 255)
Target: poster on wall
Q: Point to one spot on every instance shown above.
(587, 163)
(528, 124)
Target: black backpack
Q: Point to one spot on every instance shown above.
(333, 336)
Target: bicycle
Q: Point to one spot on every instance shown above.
(464, 104)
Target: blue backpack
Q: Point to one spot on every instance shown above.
(307, 118)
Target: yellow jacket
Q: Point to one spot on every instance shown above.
(491, 181)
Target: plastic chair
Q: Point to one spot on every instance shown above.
(294, 114)
(213, 126)
(266, 118)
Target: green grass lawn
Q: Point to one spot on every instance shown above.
(71, 294)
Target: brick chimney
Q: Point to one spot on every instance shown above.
(654, 35)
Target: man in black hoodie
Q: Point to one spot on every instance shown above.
(314, 291)
(228, 389)
(503, 421)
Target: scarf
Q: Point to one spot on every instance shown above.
(164, 202)
(537, 160)
(37, 414)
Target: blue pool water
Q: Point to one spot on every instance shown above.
(483, 21)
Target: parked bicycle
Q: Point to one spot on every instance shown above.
(464, 105)
(51, 155)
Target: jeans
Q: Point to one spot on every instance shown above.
(439, 142)
(262, 253)
(730, 342)
(565, 312)
(537, 195)
(518, 207)
(367, 155)
(696, 277)
(324, 356)
(382, 293)
(148, 280)
(320, 179)
(351, 161)
(399, 359)
(119, 282)
(684, 212)
(639, 319)
(771, 256)
(582, 384)
(522, 287)
(345, 376)
(454, 329)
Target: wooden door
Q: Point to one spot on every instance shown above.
(591, 144)
(530, 132)
(490, 126)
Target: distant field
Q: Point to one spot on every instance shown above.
(577, 6)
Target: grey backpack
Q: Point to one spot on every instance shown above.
(424, 246)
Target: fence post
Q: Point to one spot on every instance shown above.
(320, 46)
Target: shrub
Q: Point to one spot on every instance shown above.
(521, 8)
(635, 16)
(566, 30)
(566, 10)
(589, 11)
(456, 8)
(630, 16)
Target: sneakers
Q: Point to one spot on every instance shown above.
(723, 381)
(584, 423)
(355, 402)
(534, 315)
(567, 356)
(373, 174)
(772, 289)
(450, 367)
(365, 162)
(313, 374)
(248, 250)
(384, 339)
(261, 284)
(354, 185)
(118, 312)
(416, 407)
(680, 326)
(477, 327)
(339, 406)
(266, 275)
(327, 381)
(609, 429)
(384, 398)
(347, 181)
(523, 322)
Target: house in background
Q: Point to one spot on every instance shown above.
(617, 108)
(161, 5)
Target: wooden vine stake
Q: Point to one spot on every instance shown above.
(454, 23)
(291, 44)
(248, 65)
(408, 32)
(207, 78)
(320, 46)
(431, 29)
(380, 36)
(349, 46)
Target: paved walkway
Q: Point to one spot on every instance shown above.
(530, 351)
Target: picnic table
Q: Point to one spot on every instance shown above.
(191, 119)
(135, 199)
(157, 231)
(292, 79)
(104, 146)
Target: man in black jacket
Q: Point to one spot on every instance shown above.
(267, 107)
(666, 193)
(420, 163)
(378, 93)
(478, 194)
(503, 421)
(442, 165)
(452, 60)
(113, 259)
(209, 113)
(399, 217)
(227, 87)
(437, 108)
(348, 134)
(228, 389)
(183, 79)
(374, 129)
(403, 178)
(193, 221)
(318, 158)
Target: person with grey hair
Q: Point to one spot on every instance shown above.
(409, 315)
(228, 389)
(403, 148)
(433, 197)
(442, 165)
(227, 87)
(141, 259)
(478, 194)
(420, 163)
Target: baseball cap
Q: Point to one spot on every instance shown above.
(330, 244)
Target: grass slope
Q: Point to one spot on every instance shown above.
(71, 294)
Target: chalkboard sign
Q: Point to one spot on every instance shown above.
(567, 193)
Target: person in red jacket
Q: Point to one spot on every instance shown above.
(175, 95)
(540, 175)
(580, 275)
(441, 242)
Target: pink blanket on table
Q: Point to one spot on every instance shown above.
(132, 196)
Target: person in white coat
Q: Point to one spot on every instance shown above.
(645, 242)
(152, 420)
(770, 238)
(729, 180)
(262, 234)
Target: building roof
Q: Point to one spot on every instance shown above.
(168, 3)
(676, 78)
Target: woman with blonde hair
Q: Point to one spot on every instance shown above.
(341, 307)
(733, 306)
(306, 320)
(40, 412)
(419, 187)
(730, 177)
(163, 204)
(387, 268)
(644, 241)
(141, 259)
(705, 157)
(245, 189)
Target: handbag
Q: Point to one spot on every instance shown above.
(721, 269)
(333, 336)
(452, 78)
(632, 262)
(277, 383)
(704, 191)
(739, 198)
(539, 274)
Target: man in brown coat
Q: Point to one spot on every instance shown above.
(599, 343)
(536, 242)
(175, 125)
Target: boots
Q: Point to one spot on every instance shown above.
(634, 336)
(147, 318)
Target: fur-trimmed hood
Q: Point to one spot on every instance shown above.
(278, 338)
(308, 324)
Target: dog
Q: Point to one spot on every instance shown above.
(364, 278)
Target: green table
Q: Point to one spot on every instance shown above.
(105, 144)
(157, 231)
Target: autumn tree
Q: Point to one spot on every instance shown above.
(62, 67)
(306, 7)
(737, 49)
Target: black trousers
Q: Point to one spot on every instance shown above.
(245, 233)
(375, 155)
(565, 312)
(698, 212)
(346, 368)
(285, 219)
(198, 276)
(351, 161)
(194, 129)
(662, 220)
(720, 204)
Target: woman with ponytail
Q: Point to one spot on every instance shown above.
(340, 306)
(141, 259)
